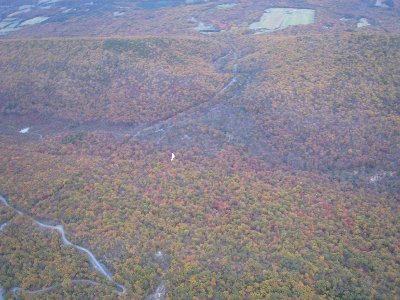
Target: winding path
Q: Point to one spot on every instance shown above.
(3, 225)
(15, 290)
(142, 131)
(93, 260)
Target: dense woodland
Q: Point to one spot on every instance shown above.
(134, 81)
(229, 226)
(301, 203)
(331, 106)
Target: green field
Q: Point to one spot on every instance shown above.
(280, 18)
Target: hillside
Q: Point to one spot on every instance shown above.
(125, 81)
(285, 183)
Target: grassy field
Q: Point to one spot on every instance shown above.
(281, 18)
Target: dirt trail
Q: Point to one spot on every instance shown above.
(93, 260)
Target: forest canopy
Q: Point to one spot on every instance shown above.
(285, 182)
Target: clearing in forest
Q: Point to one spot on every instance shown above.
(280, 18)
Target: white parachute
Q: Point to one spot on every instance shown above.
(25, 130)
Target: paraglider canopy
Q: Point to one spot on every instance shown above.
(24, 130)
